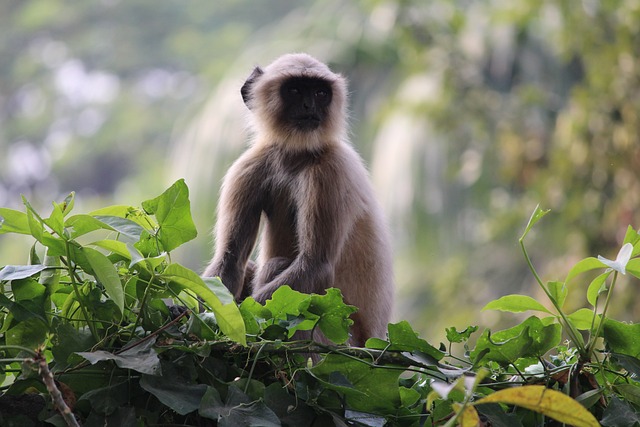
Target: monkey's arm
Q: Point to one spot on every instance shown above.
(239, 210)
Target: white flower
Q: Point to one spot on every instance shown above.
(620, 264)
(443, 389)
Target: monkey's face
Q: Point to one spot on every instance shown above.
(305, 102)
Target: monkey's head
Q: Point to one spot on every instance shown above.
(297, 100)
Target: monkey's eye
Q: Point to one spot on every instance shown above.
(294, 91)
(321, 94)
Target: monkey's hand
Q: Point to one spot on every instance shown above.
(263, 293)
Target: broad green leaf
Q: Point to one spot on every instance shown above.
(457, 337)
(558, 292)
(106, 400)
(147, 263)
(221, 291)
(531, 338)
(106, 274)
(619, 413)
(632, 236)
(582, 319)
(622, 338)
(515, 304)
(356, 381)
(548, 402)
(334, 315)
(56, 220)
(141, 358)
(239, 410)
(12, 221)
(173, 212)
(79, 225)
(631, 392)
(402, 337)
(228, 316)
(20, 312)
(535, 217)
(582, 266)
(29, 333)
(67, 340)
(596, 287)
(181, 397)
(14, 272)
(590, 398)
(629, 363)
(113, 246)
(121, 225)
(633, 267)
(50, 278)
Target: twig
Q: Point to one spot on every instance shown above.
(56, 396)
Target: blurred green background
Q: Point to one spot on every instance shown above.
(468, 113)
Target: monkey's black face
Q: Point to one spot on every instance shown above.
(305, 102)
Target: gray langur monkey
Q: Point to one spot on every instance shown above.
(301, 178)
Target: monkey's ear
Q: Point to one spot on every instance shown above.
(245, 91)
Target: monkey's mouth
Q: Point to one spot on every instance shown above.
(306, 122)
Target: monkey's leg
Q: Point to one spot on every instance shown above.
(272, 268)
(249, 275)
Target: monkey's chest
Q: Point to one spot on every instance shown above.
(280, 219)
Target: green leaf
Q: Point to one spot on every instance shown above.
(68, 340)
(582, 319)
(402, 337)
(106, 400)
(221, 291)
(140, 358)
(558, 292)
(546, 401)
(173, 212)
(113, 246)
(457, 337)
(582, 266)
(631, 392)
(619, 413)
(622, 337)
(14, 272)
(535, 217)
(106, 274)
(12, 221)
(181, 397)
(515, 304)
(334, 315)
(29, 333)
(633, 267)
(21, 312)
(228, 316)
(531, 338)
(596, 287)
(365, 388)
(79, 225)
(122, 225)
(56, 220)
(631, 364)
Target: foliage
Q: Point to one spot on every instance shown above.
(133, 339)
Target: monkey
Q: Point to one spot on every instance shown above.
(305, 189)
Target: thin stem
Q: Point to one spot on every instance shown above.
(79, 297)
(593, 338)
(571, 331)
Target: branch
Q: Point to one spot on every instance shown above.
(56, 396)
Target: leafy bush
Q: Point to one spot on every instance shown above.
(102, 328)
